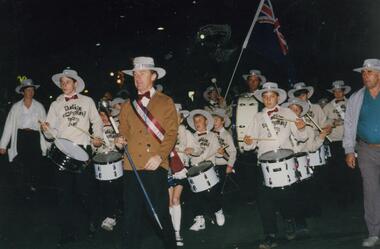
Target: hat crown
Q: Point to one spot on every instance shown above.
(70, 72)
(270, 85)
(148, 61)
(295, 101)
(27, 82)
(299, 85)
(371, 63)
(254, 72)
(338, 83)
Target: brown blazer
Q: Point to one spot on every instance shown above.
(141, 143)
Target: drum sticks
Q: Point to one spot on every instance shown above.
(316, 125)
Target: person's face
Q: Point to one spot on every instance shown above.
(213, 95)
(200, 123)
(270, 99)
(296, 109)
(338, 94)
(144, 80)
(108, 96)
(253, 83)
(371, 78)
(218, 122)
(68, 85)
(28, 92)
(303, 96)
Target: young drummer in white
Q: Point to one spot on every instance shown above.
(68, 111)
(207, 201)
(226, 157)
(185, 145)
(272, 123)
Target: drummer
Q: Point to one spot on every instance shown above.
(254, 80)
(215, 100)
(70, 110)
(110, 193)
(226, 157)
(271, 131)
(207, 201)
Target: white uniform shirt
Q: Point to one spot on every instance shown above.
(185, 139)
(317, 114)
(312, 143)
(225, 139)
(333, 114)
(284, 129)
(64, 115)
(109, 136)
(28, 118)
(208, 142)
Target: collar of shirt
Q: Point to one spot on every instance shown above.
(70, 97)
(221, 130)
(145, 101)
(201, 133)
(342, 100)
(272, 110)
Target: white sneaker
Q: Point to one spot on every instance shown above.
(220, 219)
(108, 224)
(179, 239)
(199, 223)
(371, 241)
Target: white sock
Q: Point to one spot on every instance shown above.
(176, 213)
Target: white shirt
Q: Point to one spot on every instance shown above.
(145, 101)
(333, 114)
(208, 142)
(185, 139)
(284, 129)
(28, 117)
(225, 140)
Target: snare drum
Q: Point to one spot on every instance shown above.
(278, 168)
(202, 177)
(247, 108)
(68, 155)
(108, 166)
(302, 165)
(327, 150)
(318, 157)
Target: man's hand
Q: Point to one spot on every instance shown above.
(120, 142)
(328, 129)
(153, 162)
(97, 142)
(229, 169)
(248, 140)
(189, 151)
(45, 126)
(323, 134)
(300, 124)
(351, 160)
(3, 151)
(220, 100)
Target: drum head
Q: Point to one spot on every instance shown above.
(202, 167)
(276, 155)
(107, 157)
(71, 149)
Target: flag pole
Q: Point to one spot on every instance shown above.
(245, 45)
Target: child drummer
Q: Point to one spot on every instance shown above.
(207, 201)
(270, 131)
(226, 157)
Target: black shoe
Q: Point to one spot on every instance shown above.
(269, 242)
(290, 232)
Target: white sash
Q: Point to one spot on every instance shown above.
(339, 109)
(268, 121)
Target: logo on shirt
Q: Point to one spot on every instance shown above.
(73, 113)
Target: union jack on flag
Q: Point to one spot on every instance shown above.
(267, 16)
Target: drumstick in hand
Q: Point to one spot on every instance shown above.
(88, 134)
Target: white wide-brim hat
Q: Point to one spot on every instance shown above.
(145, 63)
(296, 101)
(301, 86)
(222, 113)
(206, 114)
(24, 84)
(371, 64)
(208, 90)
(70, 74)
(339, 84)
(255, 72)
(116, 101)
(184, 113)
(270, 87)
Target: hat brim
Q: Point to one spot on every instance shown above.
(360, 69)
(184, 113)
(263, 79)
(347, 89)
(310, 89)
(227, 120)
(206, 114)
(281, 94)
(80, 83)
(160, 71)
(305, 107)
(19, 89)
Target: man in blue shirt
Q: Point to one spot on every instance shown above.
(362, 133)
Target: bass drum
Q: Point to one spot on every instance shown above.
(247, 107)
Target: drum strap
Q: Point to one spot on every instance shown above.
(271, 129)
(148, 120)
(339, 109)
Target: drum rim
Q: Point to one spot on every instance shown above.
(62, 168)
(300, 154)
(76, 145)
(110, 162)
(200, 172)
(276, 160)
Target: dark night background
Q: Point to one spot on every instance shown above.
(39, 38)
